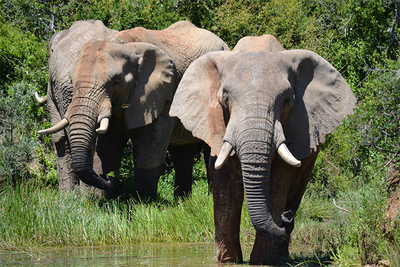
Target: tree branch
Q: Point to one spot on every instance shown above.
(391, 30)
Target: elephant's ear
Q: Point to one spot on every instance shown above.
(154, 84)
(196, 104)
(322, 100)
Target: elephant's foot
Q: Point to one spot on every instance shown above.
(86, 189)
(269, 252)
(229, 252)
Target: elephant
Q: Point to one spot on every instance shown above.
(266, 42)
(264, 115)
(64, 48)
(122, 90)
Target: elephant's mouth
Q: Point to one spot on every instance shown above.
(283, 152)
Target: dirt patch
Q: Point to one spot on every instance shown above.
(393, 211)
(394, 205)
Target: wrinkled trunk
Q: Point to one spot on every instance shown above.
(255, 148)
(83, 113)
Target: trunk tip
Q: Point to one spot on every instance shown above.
(288, 221)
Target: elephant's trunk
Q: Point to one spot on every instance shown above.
(83, 114)
(255, 148)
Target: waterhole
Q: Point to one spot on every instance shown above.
(140, 255)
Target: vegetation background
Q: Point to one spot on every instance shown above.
(344, 217)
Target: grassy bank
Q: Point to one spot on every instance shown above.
(352, 233)
(46, 217)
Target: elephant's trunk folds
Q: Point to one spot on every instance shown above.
(83, 114)
(255, 147)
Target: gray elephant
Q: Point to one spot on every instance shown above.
(123, 90)
(264, 116)
(266, 42)
(64, 48)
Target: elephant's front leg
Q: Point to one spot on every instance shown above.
(182, 157)
(67, 179)
(149, 148)
(109, 150)
(287, 188)
(227, 189)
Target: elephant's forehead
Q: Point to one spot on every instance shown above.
(96, 61)
(255, 69)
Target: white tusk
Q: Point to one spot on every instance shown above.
(285, 154)
(58, 127)
(223, 155)
(40, 100)
(103, 126)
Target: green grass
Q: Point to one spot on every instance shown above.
(356, 234)
(38, 217)
(34, 217)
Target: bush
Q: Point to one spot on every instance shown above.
(17, 131)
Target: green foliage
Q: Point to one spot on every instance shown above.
(351, 226)
(17, 125)
(44, 168)
(286, 20)
(366, 143)
(121, 15)
(364, 240)
(200, 13)
(23, 57)
(41, 18)
(352, 35)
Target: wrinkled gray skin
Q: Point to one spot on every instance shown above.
(64, 48)
(255, 102)
(266, 42)
(131, 81)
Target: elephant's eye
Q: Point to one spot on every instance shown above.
(287, 103)
(116, 83)
(225, 97)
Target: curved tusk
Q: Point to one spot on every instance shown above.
(287, 156)
(40, 100)
(223, 155)
(103, 126)
(58, 127)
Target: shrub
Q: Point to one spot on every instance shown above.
(17, 128)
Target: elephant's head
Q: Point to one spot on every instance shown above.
(266, 42)
(256, 103)
(131, 81)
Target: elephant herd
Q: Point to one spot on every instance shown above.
(259, 111)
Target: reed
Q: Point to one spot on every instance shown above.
(32, 216)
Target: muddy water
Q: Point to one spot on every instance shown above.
(144, 255)
(195, 254)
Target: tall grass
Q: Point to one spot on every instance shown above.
(34, 217)
(31, 216)
(355, 232)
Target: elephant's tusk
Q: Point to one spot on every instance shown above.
(287, 156)
(40, 100)
(223, 155)
(58, 127)
(103, 126)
